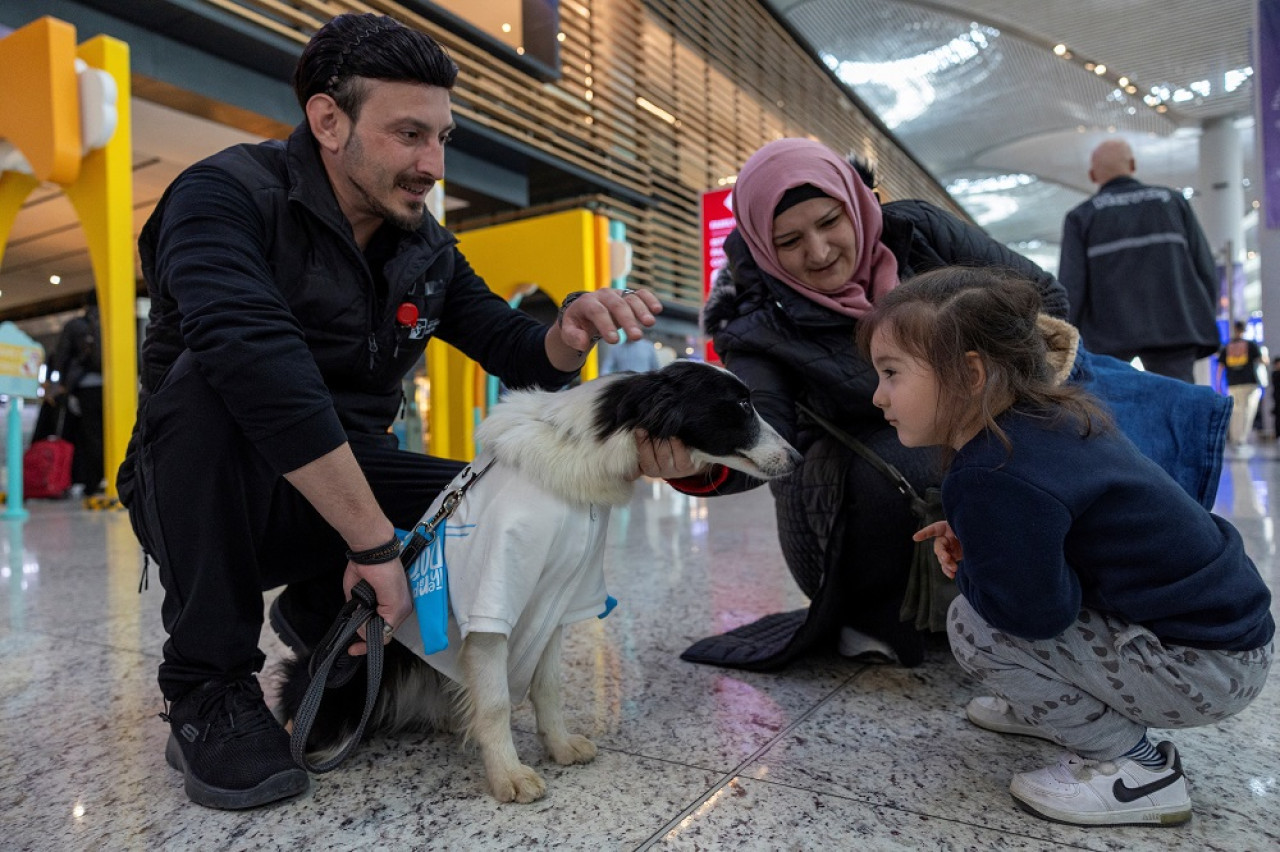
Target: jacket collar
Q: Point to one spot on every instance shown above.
(1119, 184)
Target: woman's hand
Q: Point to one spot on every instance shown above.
(665, 459)
(945, 546)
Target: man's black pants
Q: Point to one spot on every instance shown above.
(224, 527)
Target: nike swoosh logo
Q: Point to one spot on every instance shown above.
(1127, 794)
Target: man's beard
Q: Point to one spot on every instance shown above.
(405, 222)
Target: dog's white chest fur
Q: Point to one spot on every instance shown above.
(521, 561)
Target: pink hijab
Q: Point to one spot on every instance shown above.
(787, 163)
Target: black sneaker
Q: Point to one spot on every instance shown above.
(232, 752)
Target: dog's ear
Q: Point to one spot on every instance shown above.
(640, 400)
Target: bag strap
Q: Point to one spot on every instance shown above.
(329, 669)
(894, 475)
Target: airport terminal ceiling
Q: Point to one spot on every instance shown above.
(974, 90)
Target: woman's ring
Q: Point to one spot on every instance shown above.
(627, 291)
(388, 629)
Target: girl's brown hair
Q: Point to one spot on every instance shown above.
(941, 316)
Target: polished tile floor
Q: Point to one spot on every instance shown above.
(828, 755)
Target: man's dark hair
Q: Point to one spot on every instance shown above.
(353, 47)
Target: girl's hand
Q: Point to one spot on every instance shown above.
(945, 546)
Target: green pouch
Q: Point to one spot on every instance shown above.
(929, 591)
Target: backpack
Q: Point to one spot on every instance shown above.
(89, 352)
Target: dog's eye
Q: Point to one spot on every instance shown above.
(746, 404)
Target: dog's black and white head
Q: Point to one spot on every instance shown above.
(707, 408)
(581, 444)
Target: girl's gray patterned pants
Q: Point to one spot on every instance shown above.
(1098, 686)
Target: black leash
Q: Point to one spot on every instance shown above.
(918, 505)
(331, 666)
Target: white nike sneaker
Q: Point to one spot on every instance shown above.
(995, 714)
(1120, 792)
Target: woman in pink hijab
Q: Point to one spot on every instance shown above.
(812, 252)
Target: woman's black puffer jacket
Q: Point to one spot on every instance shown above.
(836, 513)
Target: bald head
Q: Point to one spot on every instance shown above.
(1111, 159)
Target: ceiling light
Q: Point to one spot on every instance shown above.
(1122, 82)
(1233, 80)
(649, 106)
(506, 28)
(55, 280)
(994, 183)
(1060, 49)
(1100, 70)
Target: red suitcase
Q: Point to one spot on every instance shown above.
(46, 468)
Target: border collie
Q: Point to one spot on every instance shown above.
(525, 553)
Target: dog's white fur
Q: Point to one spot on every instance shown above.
(551, 438)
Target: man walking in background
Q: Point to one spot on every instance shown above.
(1240, 362)
(1139, 273)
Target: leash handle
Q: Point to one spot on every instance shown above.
(362, 609)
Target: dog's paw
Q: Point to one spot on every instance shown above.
(523, 785)
(573, 749)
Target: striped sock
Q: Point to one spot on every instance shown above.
(1146, 754)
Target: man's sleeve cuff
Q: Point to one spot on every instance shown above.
(303, 442)
(701, 483)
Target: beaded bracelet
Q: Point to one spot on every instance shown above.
(569, 300)
(376, 555)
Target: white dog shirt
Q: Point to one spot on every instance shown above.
(521, 562)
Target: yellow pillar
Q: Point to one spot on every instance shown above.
(561, 253)
(40, 114)
(103, 197)
(39, 98)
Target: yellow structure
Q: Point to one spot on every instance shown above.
(41, 116)
(560, 253)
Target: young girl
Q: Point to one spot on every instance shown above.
(1097, 597)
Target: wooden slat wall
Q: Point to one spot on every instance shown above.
(721, 78)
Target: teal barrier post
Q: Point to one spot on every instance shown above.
(20, 361)
(13, 448)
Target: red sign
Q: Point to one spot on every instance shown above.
(717, 223)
